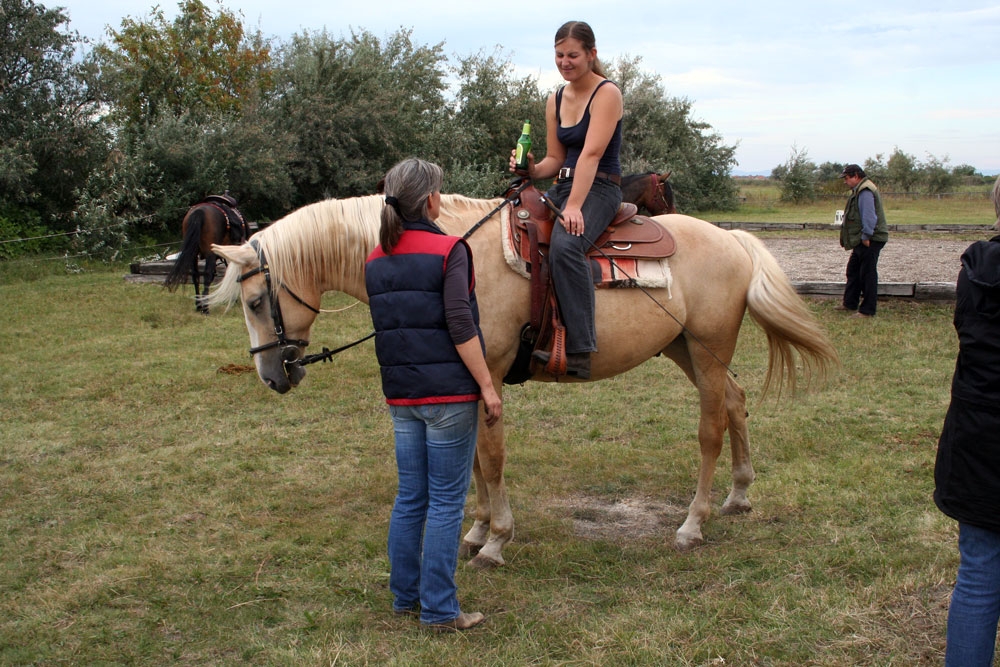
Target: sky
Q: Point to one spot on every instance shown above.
(842, 82)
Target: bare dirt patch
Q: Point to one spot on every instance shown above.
(625, 519)
(902, 260)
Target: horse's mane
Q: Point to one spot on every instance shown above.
(303, 243)
(329, 238)
(333, 238)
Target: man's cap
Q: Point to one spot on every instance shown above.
(852, 170)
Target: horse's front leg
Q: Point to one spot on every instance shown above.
(494, 524)
(739, 442)
(711, 428)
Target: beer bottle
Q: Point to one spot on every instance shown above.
(523, 148)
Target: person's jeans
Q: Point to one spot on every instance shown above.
(975, 602)
(435, 445)
(862, 278)
(571, 273)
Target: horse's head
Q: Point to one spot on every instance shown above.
(662, 196)
(278, 317)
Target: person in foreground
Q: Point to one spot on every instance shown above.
(421, 290)
(967, 470)
(583, 121)
(864, 233)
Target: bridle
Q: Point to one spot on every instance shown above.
(658, 191)
(288, 345)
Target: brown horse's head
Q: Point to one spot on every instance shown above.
(650, 191)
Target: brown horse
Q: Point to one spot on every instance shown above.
(215, 220)
(717, 276)
(649, 191)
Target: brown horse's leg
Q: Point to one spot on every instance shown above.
(209, 279)
(195, 280)
(494, 525)
(739, 443)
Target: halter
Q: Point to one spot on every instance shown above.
(286, 344)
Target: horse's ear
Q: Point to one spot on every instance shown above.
(664, 177)
(236, 254)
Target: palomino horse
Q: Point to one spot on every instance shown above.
(214, 220)
(717, 276)
(649, 191)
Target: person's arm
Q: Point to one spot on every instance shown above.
(866, 204)
(555, 154)
(472, 354)
(605, 112)
(463, 330)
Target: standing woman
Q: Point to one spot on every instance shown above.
(967, 469)
(583, 121)
(421, 290)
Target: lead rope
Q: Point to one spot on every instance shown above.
(328, 354)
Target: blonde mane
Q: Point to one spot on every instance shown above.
(333, 238)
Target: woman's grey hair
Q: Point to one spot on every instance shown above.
(407, 186)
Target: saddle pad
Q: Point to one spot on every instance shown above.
(622, 272)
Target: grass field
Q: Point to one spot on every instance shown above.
(761, 203)
(160, 505)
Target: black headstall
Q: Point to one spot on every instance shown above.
(289, 346)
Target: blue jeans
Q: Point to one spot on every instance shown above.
(435, 445)
(975, 602)
(571, 273)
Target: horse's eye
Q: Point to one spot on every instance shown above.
(255, 304)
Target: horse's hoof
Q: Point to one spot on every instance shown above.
(468, 549)
(481, 562)
(731, 508)
(688, 542)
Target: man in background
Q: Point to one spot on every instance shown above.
(864, 233)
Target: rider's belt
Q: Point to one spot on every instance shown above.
(566, 174)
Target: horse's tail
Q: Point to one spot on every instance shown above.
(777, 308)
(189, 250)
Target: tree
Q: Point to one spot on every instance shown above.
(490, 107)
(877, 170)
(901, 172)
(356, 106)
(828, 178)
(937, 177)
(188, 103)
(799, 182)
(198, 65)
(49, 136)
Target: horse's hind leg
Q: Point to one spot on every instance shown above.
(709, 376)
(210, 261)
(195, 280)
(739, 444)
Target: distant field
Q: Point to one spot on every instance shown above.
(761, 203)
